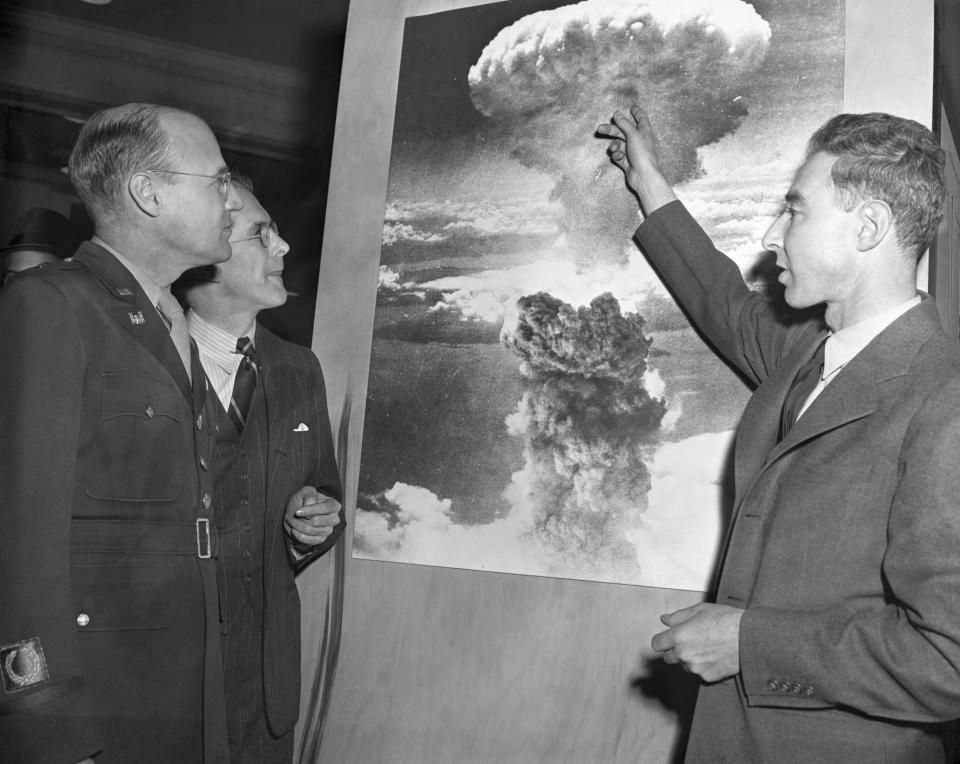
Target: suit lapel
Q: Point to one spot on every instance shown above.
(760, 424)
(275, 386)
(136, 314)
(852, 395)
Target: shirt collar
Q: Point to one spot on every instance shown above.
(842, 346)
(219, 344)
(150, 287)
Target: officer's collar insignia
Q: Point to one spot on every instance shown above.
(22, 665)
(136, 318)
(124, 292)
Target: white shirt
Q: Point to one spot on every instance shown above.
(218, 354)
(842, 346)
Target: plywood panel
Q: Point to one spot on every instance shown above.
(441, 665)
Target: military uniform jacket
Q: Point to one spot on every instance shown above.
(108, 597)
(844, 546)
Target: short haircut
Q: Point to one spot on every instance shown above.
(112, 145)
(892, 159)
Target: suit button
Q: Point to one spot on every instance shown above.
(83, 619)
(148, 411)
(203, 463)
(773, 685)
(200, 421)
(206, 501)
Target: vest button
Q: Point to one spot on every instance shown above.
(83, 619)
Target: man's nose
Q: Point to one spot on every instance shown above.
(773, 238)
(280, 247)
(233, 202)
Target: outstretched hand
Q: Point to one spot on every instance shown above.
(634, 150)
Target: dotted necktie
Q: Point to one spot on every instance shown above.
(245, 383)
(172, 315)
(803, 384)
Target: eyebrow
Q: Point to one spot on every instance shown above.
(794, 197)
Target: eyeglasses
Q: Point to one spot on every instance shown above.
(224, 178)
(265, 233)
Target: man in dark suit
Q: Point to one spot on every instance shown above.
(835, 634)
(108, 634)
(273, 441)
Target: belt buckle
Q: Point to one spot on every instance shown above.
(203, 538)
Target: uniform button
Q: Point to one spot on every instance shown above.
(246, 526)
(206, 500)
(785, 686)
(200, 421)
(246, 552)
(203, 463)
(796, 689)
(148, 411)
(243, 476)
(808, 691)
(773, 685)
(83, 619)
(248, 579)
(244, 501)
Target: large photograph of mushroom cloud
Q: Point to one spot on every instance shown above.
(537, 402)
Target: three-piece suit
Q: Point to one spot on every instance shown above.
(285, 444)
(844, 545)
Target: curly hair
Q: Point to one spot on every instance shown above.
(892, 159)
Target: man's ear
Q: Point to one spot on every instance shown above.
(876, 221)
(144, 194)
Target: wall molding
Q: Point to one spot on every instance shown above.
(74, 67)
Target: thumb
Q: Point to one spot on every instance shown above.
(679, 616)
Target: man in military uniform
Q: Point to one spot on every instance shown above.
(108, 640)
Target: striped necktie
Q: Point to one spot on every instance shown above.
(245, 383)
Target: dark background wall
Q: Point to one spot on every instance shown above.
(121, 52)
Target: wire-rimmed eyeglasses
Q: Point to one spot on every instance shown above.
(265, 233)
(224, 179)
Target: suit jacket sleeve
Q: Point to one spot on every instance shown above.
(902, 660)
(41, 384)
(325, 476)
(740, 323)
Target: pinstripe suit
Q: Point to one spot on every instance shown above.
(286, 444)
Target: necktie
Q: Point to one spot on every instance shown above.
(245, 383)
(172, 315)
(803, 384)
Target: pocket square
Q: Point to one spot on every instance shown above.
(301, 428)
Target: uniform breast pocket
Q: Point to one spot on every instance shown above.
(144, 427)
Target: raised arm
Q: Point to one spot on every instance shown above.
(634, 150)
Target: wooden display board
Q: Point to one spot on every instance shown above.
(439, 665)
